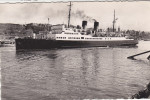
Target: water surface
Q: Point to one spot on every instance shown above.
(79, 73)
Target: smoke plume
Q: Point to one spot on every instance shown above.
(83, 16)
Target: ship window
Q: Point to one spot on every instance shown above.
(82, 37)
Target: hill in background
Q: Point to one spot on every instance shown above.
(10, 31)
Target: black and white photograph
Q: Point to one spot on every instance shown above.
(75, 50)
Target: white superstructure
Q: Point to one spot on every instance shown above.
(60, 32)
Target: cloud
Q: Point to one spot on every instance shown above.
(131, 15)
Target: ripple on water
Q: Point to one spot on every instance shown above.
(73, 73)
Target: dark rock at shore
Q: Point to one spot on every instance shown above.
(143, 93)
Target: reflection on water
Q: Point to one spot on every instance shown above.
(73, 73)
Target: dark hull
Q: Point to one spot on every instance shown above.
(49, 44)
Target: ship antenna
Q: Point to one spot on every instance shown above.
(48, 25)
(48, 20)
(114, 21)
(69, 15)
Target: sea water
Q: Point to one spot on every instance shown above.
(77, 73)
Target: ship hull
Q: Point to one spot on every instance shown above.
(50, 44)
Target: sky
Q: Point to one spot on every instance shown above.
(131, 15)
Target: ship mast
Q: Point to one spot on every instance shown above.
(69, 15)
(114, 21)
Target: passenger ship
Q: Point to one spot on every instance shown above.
(62, 36)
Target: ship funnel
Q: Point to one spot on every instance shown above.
(96, 25)
(84, 24)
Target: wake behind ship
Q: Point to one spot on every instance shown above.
(62, 36)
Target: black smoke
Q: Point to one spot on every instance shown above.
(80, 14)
